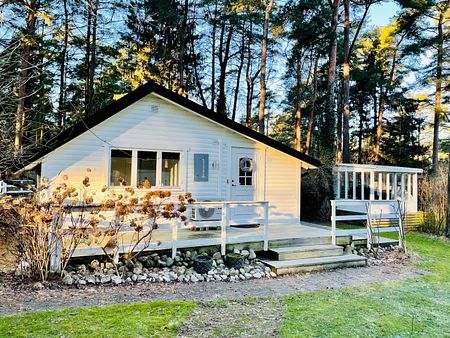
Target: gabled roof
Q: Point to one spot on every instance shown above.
(152, 87)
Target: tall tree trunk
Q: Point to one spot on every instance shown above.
(183, 47)
(249, 78)
(360, 131)
(328, 130)
(438, 93)
(339, 124)
(197, 77)
(379, 129)
(312, 110)
(213, 58)
(381, 105)
(62, 69)
(262, 98)
(298, 108)
(224, 56)
(22, 91)
(447, 227)
(88, 59)
(93, 59)
(238, 79)
(346, 87)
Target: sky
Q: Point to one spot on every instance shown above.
(382, 13)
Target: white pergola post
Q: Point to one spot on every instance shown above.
(380, 186)
(414, 191)
(346, 185)
(395, 186)
(362, 184)
(372, 186)
(409, 186)
(388, 186)
(354, 185)
(338, 185)
(402, 192)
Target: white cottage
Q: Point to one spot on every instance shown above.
(155, 136)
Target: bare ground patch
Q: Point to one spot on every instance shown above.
(255, 317)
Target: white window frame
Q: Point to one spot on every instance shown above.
(134, 167)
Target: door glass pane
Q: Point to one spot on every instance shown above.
(146, 169)
(245, 171)
(170, 169)
(120, 167)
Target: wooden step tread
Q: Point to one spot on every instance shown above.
(303, 248)
(315, 261)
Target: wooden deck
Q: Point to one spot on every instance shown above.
(250, 237)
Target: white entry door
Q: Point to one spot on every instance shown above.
(243, 184)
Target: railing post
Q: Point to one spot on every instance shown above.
(266, 225)
(224, 226)
(174, 238)
(333, 222)
(401, 228)
(369, 225)
(55, 243)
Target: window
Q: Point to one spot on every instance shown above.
(245, 171)
(145, 169)
(121, 167)
(169, 170)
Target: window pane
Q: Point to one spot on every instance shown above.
(120, 167)
(169, 171)
(146, 169)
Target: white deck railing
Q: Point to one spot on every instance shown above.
(16, 187)
(374, 210)
(174, 236)
(225, 221)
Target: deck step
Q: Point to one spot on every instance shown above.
(315, 263)
(306, 251)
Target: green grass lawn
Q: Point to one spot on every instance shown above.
(155, 319)
(408, 308)
(415, 307)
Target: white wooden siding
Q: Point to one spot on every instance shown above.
(170, 127)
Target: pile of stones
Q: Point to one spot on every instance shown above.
(377, 255)
(162, 268)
